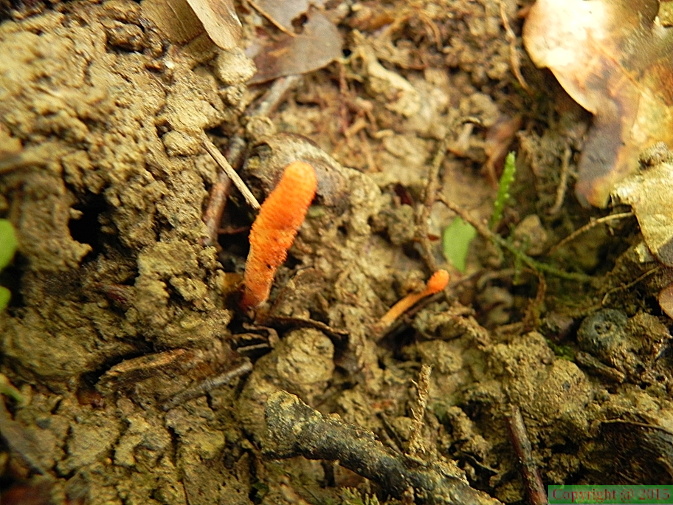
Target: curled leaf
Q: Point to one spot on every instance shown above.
(220, 21)
(665, 298)
(649, 193)
(316, 46)
(182, 21)
(613, 58)
(283, 13)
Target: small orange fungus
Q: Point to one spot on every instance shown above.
(275, 229)
(438, 281)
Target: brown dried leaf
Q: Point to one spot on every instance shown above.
(614, 58)
(665, 299)
(318, 45)
(283, 12)
(182, 21)
(220, 21)
(176, 20)
(650, 194)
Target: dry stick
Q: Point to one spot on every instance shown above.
(220, 190)
(218, 200)
(647, 426)
(311, 323)
(563, 183)
(416, 448)
(587, 227)
(207, 385)
(295, 429)
(514, 60)
(524, 451)
(521, 256)
(273, 97)
(628, 286)
(231, 173)
(429, 198)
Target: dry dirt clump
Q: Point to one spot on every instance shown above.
(105, 183)
(106, 128)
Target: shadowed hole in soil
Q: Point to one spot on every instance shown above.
(86, 228)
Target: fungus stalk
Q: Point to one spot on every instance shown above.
(436, 283)
(275, 229)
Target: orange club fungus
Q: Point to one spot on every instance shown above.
(437, 282)
(275, 229)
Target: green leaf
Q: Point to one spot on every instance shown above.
(8, 243)
(456, 240)
(5, 295)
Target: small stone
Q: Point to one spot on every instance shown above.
(602, 332)
(531, 235)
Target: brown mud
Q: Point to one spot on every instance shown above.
(120, 310)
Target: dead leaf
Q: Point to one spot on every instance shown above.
(182, 21)
(318, 45)
(176, 20)
(650, 194)
(498, 139)
(613, 58)
(665, 299)
(220, 21)
(283, 12)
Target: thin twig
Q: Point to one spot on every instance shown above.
(429, 198)
(207, 385)
(563, 183)
(514, 60)
(213, 213)
(628, 286)
(220, 190)
(587, 227)
(310, 323)
(416, 448)
(231, 173)
(524, 452)
(274, 96)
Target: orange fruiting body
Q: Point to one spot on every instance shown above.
(275, 229)
(438, 281)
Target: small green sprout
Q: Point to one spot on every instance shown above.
(8, 245)
(506, 180)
